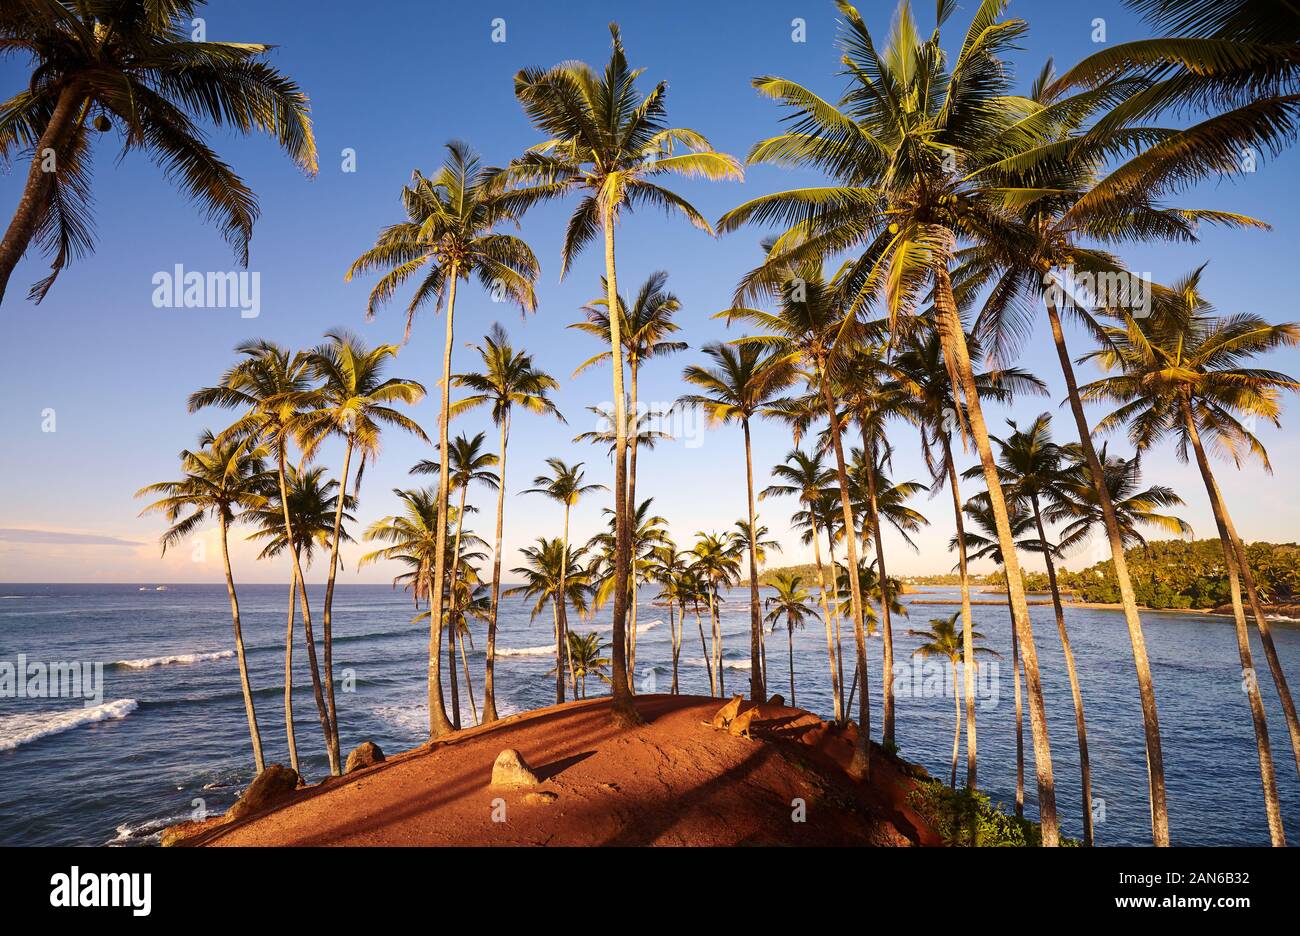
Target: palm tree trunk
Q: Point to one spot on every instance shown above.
(704, 649)
(675, 630)
(887, 718)
(562, 619)
(327, 633)
(36, 190)
(789, 638)
(1076, 695)
(469, 683)
(1272, 806)
(292, 543)
(489, 664)
(1146, 688)
(860, 765)
(967, 643)
(631, 512)
(1265, 634)
(254, 734)
(839, 640)
(955, 351)
(453, 625)
(622, 710)
(438, 722)
(1020, 719)
(757, 690)
(826, 615)
(288, 682)
(956, 735)
(716, 621)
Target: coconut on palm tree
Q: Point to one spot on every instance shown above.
(790, 605)
(609, 144)
(564, 485)
(222, 480)
(138, 66)
(740, 382)
(509, 378)
(274, 387)
(942, 640)
(449, 235)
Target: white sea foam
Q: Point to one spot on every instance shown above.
(548, 650)
(148, 832)
(147, 662)
(729, 664)
(16, 730)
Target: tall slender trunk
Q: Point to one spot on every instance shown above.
(1076, 695)
(826, 615)
(713, 688)
(1146, 688)
(955, 351)
(438, 722)
(967, 643)
(675, 631)
(839, 640)
(469, 683)
(956, 735)
(860, 765)
(1272, 807)
(327, 632)
(253, 733)
(489, 664)
(789, 638)
(36, 190)
(622, 710)
(634, 438)
(562, 615)
(887, 638)
(453, 624)
(716, 622)
(288, 682)
(757, 690)
(326, 724)
(1020, 719)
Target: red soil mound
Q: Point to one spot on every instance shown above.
(672, 781)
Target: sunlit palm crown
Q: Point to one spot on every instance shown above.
(645, 323)
(509, 378)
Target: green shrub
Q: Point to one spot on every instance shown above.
(955, 814)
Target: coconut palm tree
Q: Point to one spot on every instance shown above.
(1033, 466)
(646, 531)
(815, 330)
(354, 402)
(645, 325)
(907, 145)
(805, 477)
(313, 505)
(982, 542)
(942, 640)
(553, 572)
(740, 382)
(139, 64)
(221, 480)
(274, 387)
(925, 374)
(584, 651)
(791, 605)
(608, 143)
(469, 464)
(1183, 374)
(412, 538)
(449, 235)
(715, 559)
(509, 378)
(564, 485)
(665, 566)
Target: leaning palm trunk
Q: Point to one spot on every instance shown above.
(860, 765)
(36, 192)
(1146, 688)
(452, 628)
(956, 735)
(438, 723)
(489, 664)
(288, 682)
(955, 352)
(789, 637)
(757, 657)
(621, 708)
(826, 618)
(1020, 720)
(254, 734)
(1272, 806)
(1076, 695)
(327, 632)
(469, 682)
(704, 650)
(321, 707)
(967, 643)
(887, 716)
(839, 640)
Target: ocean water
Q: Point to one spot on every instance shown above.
(169, 735)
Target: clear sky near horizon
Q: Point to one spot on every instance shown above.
(394, 82)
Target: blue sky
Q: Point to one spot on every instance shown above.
(395, 81)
